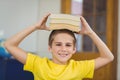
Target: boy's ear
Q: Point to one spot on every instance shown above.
(74, 50)
(49, 48)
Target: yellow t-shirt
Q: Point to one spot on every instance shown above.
(45, 69)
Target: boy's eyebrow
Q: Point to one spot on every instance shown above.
(67, 42)
(57, 42)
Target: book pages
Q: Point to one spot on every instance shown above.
(64, 21)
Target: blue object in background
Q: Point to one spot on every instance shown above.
(2, 69)
(11, 69)
(3, 51)
(14, 71)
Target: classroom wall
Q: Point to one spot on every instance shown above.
(15, 15)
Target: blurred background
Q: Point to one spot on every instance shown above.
(102, 15)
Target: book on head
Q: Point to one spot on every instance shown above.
(64, 21)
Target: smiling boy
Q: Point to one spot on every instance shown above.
(62, 46)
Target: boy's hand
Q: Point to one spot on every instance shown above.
(42, 24)
(85, 27)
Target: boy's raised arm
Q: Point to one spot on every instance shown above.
(13, 42)
(105, 54)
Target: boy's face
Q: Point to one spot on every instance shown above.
(62, 48)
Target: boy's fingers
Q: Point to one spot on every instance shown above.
(46, 16)
(44, 19)
(48, 28)
(83, 21)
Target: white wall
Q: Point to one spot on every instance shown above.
(45, 7)
(15, 15)
(118, 71)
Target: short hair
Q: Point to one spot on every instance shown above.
(55, 32)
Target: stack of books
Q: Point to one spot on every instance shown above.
(64, 21)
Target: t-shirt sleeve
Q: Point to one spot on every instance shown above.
(89, 68)
(29, 66)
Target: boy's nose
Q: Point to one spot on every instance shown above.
(63, 48)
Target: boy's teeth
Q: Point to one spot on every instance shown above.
(63, 55)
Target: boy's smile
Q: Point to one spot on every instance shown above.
(62, 48)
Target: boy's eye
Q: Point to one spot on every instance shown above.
(68, 45)
(58, 44)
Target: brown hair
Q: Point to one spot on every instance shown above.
(55, 32)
